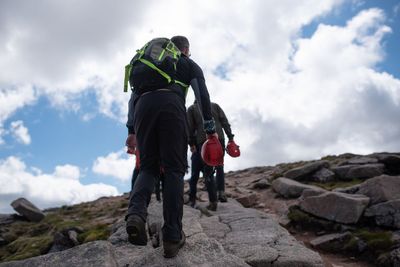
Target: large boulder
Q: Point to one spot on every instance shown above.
(341, 171)
(359, 160)
(331, 242)
(305, 172)
(291, 189)
(385, 214)
(334, 206)
(380, 189)
(391, 161)
(28, 210)
(365, 171)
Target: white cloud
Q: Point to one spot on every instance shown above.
(304, 97)
(116, 164)
(46, 190)
(20, 132)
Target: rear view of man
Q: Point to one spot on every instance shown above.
(197, 137)
(158, 117)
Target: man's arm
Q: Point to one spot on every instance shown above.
(224, 123)
(130, 124)
(199, 87)
(191, 126)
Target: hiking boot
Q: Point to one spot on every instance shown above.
(222, 196)
(171, 248)
(212, 206)
(136, 229)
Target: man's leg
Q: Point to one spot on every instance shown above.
(197, 165)
(145, 125)
(220, 177)
(208, 172)
(173, 151)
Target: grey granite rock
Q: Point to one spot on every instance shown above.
(334, 206)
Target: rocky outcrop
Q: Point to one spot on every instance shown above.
(382, 188)
(323, 175)
(365, 171)
(386, 213)
(98, 253)
(306, 171)
(291, 189)
(27, 209)
(256, 238)
(334, 206)
(331, 242)
(232, 236)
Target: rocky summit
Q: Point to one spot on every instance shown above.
(232, 236)
(335, 211)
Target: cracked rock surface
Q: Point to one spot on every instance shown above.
(231, 236)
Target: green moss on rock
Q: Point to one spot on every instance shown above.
(26, 247)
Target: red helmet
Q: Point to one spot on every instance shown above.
(233, 149)
(212, 152)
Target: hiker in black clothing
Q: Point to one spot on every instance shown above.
(158, 117)
(197, 137)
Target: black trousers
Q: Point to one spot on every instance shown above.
(160, 125)
(198, 165)
(220, 177)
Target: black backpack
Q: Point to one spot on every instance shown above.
(153, 66)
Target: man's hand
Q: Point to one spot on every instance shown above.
(131, 143)
(212, 135)
(193, 149)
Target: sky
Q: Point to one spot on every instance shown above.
(298, 80)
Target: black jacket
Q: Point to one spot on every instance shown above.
(188, 72)
(197, 135)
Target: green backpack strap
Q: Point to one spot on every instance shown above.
(128, 69)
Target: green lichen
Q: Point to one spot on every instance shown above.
(378, 241)
(337, 184)
(99, 232)
(26, 247)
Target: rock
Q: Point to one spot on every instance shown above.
(258, 239)
(385, 214)
(331, 242)
(261, 184)
(334, 206)
(361, 160)
(289, 188)
(62, 241)
(323, 175)
(382, 188)
(348, 190)
(365, 171)
(27, 209)
(98, 253)
(199, 249)
(7, 219)
(341, 171)
(305, 171)
(391, 161)
(309, 192)
(389, 259)
(248, 200)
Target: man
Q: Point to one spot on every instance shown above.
(158, 117)
(197, 137)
